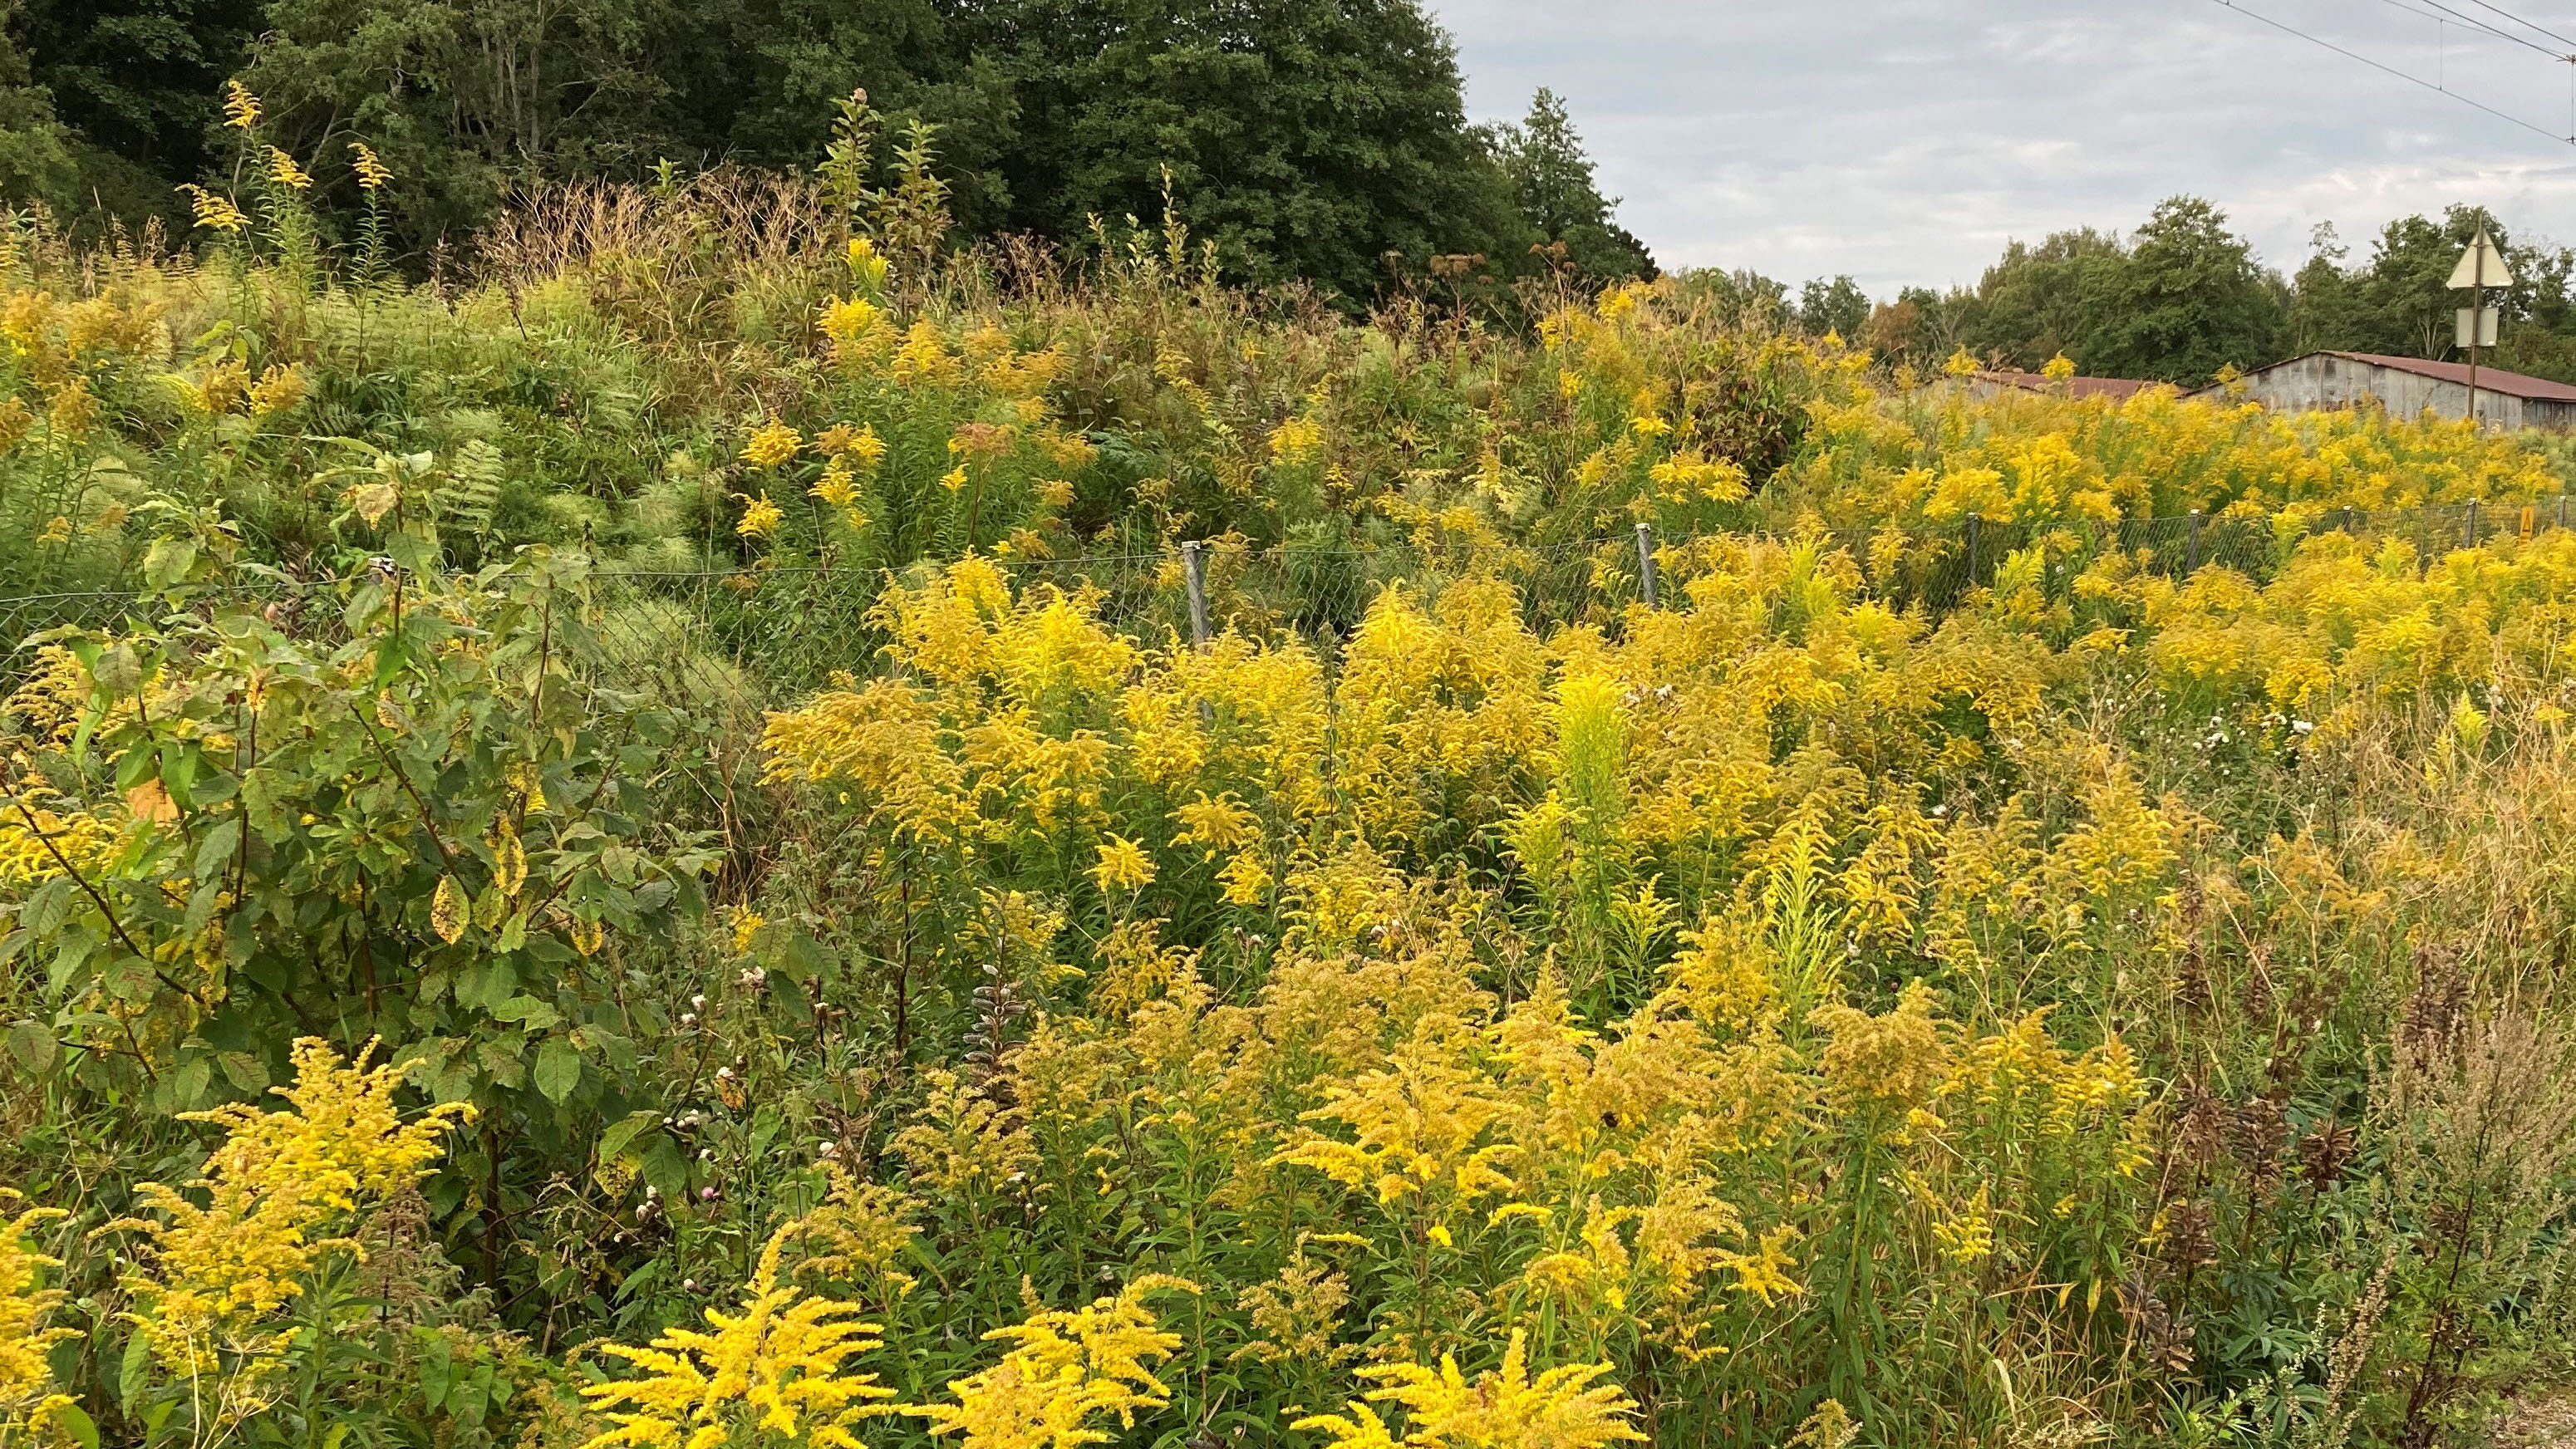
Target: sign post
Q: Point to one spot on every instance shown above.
(2481, 267)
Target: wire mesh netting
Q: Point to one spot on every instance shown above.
(738, 641)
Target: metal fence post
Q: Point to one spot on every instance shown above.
(1194, 565)
(2191, 545)
(2350, 523)
(1646, 562)
(2469, 535)
(1973, 522)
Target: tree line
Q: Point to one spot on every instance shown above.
(1324, 141)
(2183, 296)
(1318, 142)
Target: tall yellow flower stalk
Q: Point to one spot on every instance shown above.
(373, 173)
(1561, 1408)
(285, 173)
(218, 1271)
(214, 212)
(241, 108)
(1063, 1371)
(772, 444)
(777, 1364)
(1416, 1126)
(28, 1395)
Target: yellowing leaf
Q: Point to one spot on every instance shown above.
(149, 802)
(374, 501)
(447, 910)
(509, 860)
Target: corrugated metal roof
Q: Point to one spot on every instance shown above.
(2490, 379)
(2114, 388)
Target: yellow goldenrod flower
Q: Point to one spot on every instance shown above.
(1969, 1236)
(1123, 866)
(1689, 477)
(1296, 440)
(283, 171)
(1893, 1060)
(860, 444)
(1062, 1371)
(28, 1396)
(1561, 1408)
(213, 212)
(836, 487)
(760, 517)
(772, 444)
(72, 412)
(954, 478)
(847, 319)
(241, 108)
(775, 1367)
(1764, 1272)
(1648, 419)
(924, 357)
(279, 389)
(1245, 880)
(373, 174)
(219, 1272)
(1415, 1126)
(868, 265)
(1219, 826)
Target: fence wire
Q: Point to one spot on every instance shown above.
(734, 642)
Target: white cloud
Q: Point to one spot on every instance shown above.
(1904, 142)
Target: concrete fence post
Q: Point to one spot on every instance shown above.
(2469, 533)
(1646, 563)
(2191, 545)
(1194, 566)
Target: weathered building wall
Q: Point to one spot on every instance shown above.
(2327, 381)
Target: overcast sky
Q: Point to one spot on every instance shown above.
(1903, 141)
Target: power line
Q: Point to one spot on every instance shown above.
(2480, 26)
(2527, 25)
(2386, 69)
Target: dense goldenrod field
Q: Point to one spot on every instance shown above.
(632, 844)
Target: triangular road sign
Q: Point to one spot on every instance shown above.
(2480, 266)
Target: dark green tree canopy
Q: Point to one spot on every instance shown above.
(2187, 300)
(1308, 139)
(2038, 301)
(1838, 306)
(1552, 182)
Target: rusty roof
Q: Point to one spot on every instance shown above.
(2490, 379)
(2114, 388)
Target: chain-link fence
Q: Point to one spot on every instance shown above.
(738, 641)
